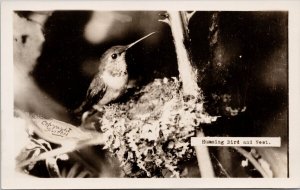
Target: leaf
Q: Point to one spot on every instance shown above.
(76, 171)
(52, 167)
(68, 136)
(58, 132)
(33, 150)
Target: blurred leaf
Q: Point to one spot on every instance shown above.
(76, 171)
(68, 136)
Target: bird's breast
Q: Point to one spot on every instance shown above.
(115, 82)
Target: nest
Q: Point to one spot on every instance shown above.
(150, 133)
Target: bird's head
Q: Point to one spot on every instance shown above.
(113, 60)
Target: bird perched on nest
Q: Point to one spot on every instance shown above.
(111, 80)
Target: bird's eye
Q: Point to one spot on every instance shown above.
(114, 56)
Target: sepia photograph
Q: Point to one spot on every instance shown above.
(140, 93)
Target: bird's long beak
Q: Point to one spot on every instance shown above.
(132, 44)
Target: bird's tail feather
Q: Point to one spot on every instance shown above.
(81, 109)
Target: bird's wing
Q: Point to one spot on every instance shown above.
(95, 93)
(96, 90)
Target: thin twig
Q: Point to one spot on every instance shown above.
(45, 155)
(253, 161)
(66, 148)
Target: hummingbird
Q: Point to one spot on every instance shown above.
(111, 80)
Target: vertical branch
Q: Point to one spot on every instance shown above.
(203, 158)
(178, 22)
(186, 71)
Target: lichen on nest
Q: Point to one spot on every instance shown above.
(150, 133)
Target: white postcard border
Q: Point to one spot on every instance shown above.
(9, 178)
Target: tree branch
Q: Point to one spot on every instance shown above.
(186, 71)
